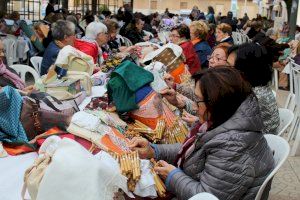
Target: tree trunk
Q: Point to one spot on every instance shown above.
(65, 4)
(3, 6)
(94, 7)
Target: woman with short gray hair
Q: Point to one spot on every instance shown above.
(96, 33)
(63, 33)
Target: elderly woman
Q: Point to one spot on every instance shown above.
(180, 35)
(223, 33)
(219, 55)
(226, 154)
(96, 33)
(199, 31)
(63, 33)
(245, 58)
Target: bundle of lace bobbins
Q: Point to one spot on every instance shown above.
(130, 167)
(159, 184)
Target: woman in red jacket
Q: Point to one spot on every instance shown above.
(180, 35)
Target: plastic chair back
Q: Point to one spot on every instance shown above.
(36, 61)
(22, 70)
(281, 150)
(286, 118)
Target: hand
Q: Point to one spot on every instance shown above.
(188, 118)
(164, 169)
(142, 146)
(169, 80)
(29, 88)
(146, 38)
(173, 98)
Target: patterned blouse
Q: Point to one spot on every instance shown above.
(268, 108)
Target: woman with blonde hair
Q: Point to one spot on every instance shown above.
(199, 32)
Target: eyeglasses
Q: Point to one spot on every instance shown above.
(200, 101)
(215, 57)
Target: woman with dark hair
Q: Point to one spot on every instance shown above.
(255, 63)
(226, 154)
(210, 17)
(180, 35)
(134, 31)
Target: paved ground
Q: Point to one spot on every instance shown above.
(286, 183)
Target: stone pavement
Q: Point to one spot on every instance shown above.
(286, 183)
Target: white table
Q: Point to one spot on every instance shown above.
(12, 168)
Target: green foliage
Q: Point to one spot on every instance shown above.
(103, 7)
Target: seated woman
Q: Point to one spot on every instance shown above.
(219, 55)
(217, 58)
(96, 33)
(199, 31)
(180, 35)
(134, 31)
(245, 58)
(223, 33)
(226, 155)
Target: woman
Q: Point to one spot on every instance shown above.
(227, 155)
(96, 33)
(211, 38)
(223, 33)
(180, 35)
(254, 62)
(198, 32)
(134, 31)
(219, 55)
(210, 17)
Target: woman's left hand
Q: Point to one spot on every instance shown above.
(164, 169)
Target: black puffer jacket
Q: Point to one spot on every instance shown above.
(231, 161)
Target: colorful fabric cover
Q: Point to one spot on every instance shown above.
(124, 82)
(11, 129)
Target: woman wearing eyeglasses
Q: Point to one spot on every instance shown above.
(219, 55)
(225, 154)
(180, 35)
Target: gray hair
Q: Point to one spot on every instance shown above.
(62, 29)
(72, 18)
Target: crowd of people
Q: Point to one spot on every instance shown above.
(228, 100)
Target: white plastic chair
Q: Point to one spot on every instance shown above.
(204, 196)
(275, 79)
(286, 118)
(128, 43)
(36, 61)
(281, 151)
(23, 69)
(10, 48)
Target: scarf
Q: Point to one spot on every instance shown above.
(195, 41)
(188, 146)
(11, 76)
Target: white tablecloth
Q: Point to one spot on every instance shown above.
(12, 168)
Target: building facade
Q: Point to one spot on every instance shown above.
(183, 6)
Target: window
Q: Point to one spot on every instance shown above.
(153, 5)
(183, 5)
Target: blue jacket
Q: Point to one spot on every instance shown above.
(49, 57)
(203, 50)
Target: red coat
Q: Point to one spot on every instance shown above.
(88, 48)
(192, 59)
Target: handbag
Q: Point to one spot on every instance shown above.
(40, 112)
(34, 175)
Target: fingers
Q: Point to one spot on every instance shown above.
(163, 163)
